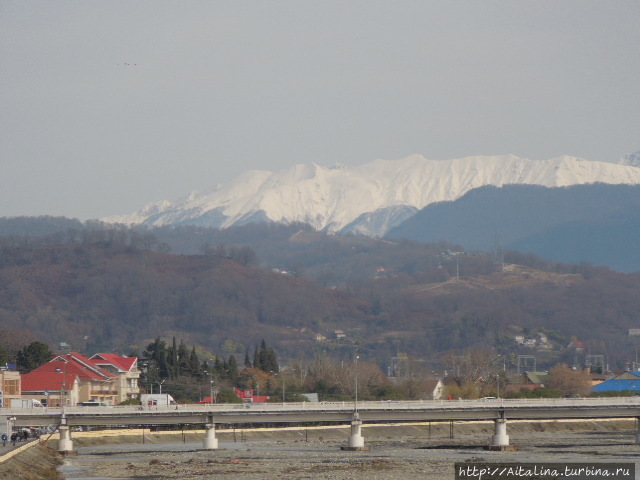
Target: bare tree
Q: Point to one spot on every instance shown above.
(569, 380)
(476, 371)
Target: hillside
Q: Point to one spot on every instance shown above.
(593, 223)
(99, 298)
(102, 293)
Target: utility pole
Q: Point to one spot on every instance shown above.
(356, 396)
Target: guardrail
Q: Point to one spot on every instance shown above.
(339, 406)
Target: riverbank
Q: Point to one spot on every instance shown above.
(38, 462)
(397, 451)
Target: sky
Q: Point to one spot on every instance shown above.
(108, 106)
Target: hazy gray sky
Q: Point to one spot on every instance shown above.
(108, 105)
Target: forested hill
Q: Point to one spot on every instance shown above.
(596, 223)
(114, 290)
(98, 298)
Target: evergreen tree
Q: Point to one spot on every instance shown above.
(156, 355)
(267, 359)
(194, 363)
(272, 361)
(175, 368)
(225, 369)
(32, 356)
(256, 358)
(218, 368)
(262, 356)
(183, 359)
(233, 369)
(4, 356)
(247, 362)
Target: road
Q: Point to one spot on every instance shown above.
(307, 412)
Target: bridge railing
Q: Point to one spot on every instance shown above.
(339, 406)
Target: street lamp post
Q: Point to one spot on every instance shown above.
(504, 370)
(64, 381)
(209, 372)
(356, 397)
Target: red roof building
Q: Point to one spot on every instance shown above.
(53, 389)
(247, 396)
(10, 386)
(73, 378)
(125, 369)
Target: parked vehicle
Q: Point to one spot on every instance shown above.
(25, 403)
(159, 399)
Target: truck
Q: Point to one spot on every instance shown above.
(93, 404)
(24, 403)
(156, 399)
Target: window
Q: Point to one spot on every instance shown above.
(11, 387)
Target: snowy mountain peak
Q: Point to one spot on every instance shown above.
(371, 198)
(633, 159)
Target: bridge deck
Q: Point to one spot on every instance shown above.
(446, 410)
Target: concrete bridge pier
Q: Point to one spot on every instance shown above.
(8, 425)
(356, 440)
(210, 440)
(65, 444)
(500, 441)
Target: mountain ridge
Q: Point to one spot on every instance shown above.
(596, 223)
(371, 198)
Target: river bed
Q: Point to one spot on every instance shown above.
(423, 453)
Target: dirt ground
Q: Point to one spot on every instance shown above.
(401, 451)
(36, 463)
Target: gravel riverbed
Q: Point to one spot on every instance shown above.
(418, 451)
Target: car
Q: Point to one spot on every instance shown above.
(489, 399)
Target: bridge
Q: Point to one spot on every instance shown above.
(499, 411)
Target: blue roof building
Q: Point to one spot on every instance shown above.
(628, 380)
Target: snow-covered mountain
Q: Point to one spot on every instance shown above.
(633, 159)
(371, 198)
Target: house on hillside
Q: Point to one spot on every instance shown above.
(597, 378)
(126, 371)
(10, 385)
(517, 387)
(95, 384)
(627, 380)
(53, 389)
(535, 378)
(247, 396)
